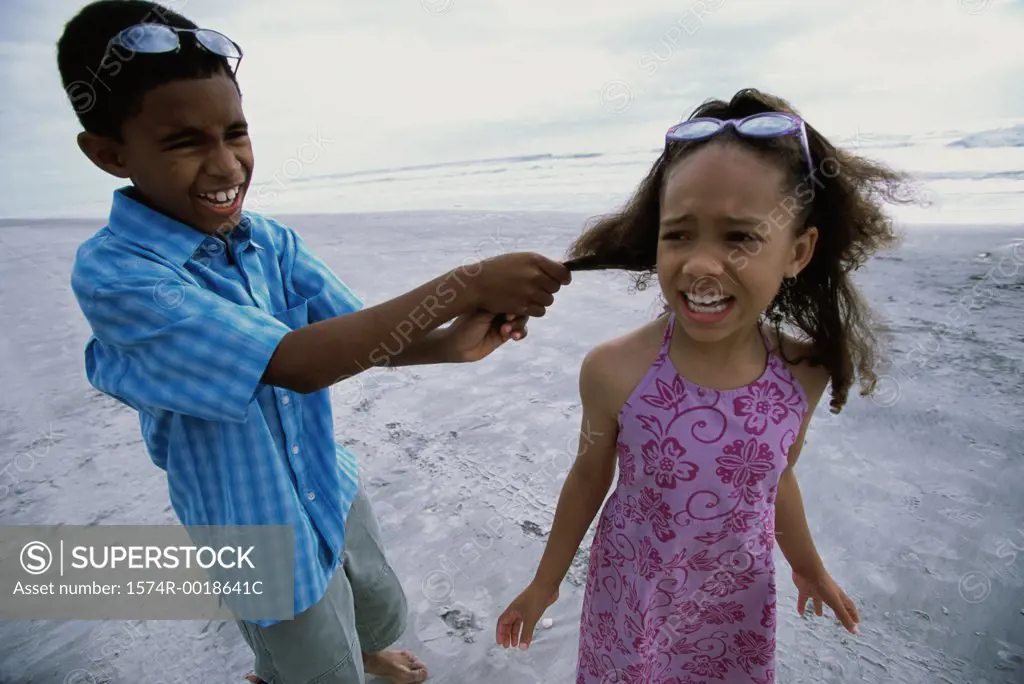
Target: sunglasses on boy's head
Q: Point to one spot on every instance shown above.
(764, 125)
(159, 38)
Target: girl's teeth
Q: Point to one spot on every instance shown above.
(707, 309)
(707, 301)
(222, 196)
(707, 305)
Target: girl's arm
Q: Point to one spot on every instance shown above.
(791, 530)
(591, 475)
(606, 378)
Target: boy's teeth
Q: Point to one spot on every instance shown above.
(222, 196)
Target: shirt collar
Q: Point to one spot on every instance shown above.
(159, 233)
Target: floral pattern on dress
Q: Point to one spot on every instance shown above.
(681, 587)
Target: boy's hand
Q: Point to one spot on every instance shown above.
(824, 589)
(521, 283)
(474, 336)
(516, 624)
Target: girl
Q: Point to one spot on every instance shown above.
(752, 221)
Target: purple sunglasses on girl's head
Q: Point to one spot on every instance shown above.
(763, 125)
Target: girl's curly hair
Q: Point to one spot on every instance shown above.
(843, 198)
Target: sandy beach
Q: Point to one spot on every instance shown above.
(914, 498)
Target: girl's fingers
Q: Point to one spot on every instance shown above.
(851, 608)
(528, 626)
(839, 603)
(844, 617)
(508, 628)
(517, 626)
(818, 608)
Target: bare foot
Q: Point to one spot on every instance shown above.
(251, 677)
(401, 667)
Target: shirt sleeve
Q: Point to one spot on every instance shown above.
(311, 278)
(160, 341)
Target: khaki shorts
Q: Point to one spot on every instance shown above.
(363, 611)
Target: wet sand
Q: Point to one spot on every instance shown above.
(913, 497)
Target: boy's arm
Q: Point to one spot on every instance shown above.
(328, 296)
(427, 350)
(162, 342)
(323, 353)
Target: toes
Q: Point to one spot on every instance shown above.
(416, 669)
(414, 662)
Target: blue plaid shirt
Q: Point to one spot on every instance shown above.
(183, 334)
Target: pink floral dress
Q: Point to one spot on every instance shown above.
(681, 584)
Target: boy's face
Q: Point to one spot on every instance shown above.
(187, 152)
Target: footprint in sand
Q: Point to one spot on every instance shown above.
(447, 629)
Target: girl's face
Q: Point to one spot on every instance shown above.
(726, 240)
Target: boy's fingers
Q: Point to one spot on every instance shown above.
(556, 270)
(543, 298)
(549, 284)
(517, 328)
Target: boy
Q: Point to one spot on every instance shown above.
(224, 331)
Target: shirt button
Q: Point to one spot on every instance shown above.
(295, 449)
(311, 496)
(285, 399)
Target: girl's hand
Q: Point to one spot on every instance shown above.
(824, 589)
(522, 615)
(473, 336)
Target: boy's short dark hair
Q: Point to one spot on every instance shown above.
(106, 92)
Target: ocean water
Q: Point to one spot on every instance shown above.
(964, 179)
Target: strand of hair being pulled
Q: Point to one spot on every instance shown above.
(592, 262)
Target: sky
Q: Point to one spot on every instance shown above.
(402, 82)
